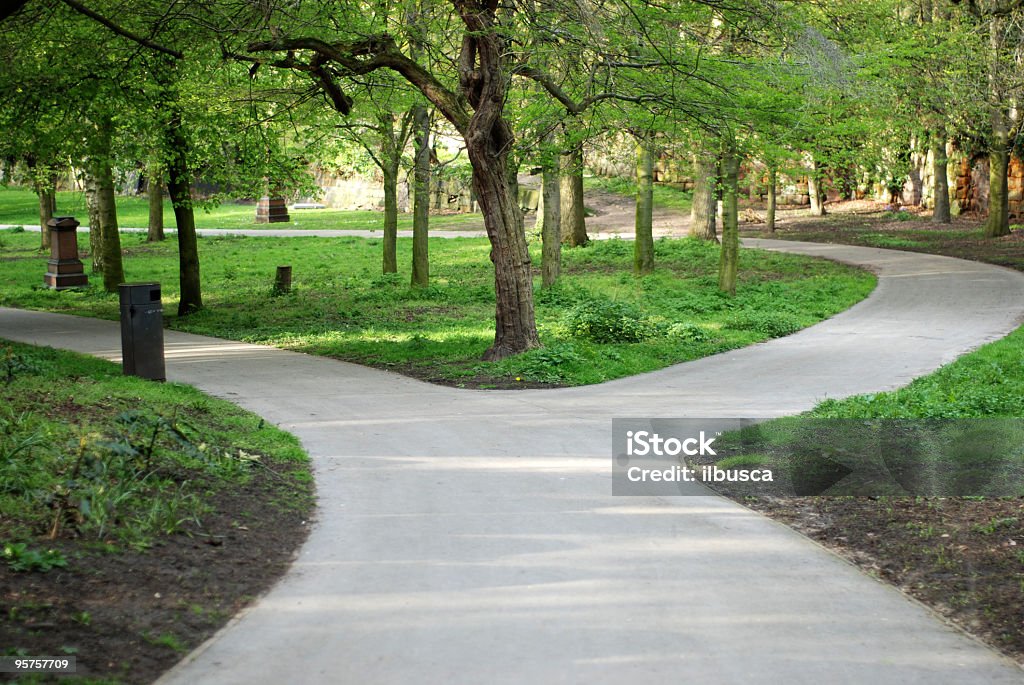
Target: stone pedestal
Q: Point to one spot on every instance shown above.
(271, 210)
(64, 269)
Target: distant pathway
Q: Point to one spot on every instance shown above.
(470, 536)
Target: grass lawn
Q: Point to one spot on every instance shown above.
(21, 207)
(601, 323)
(135, 517)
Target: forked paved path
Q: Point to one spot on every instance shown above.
(471, 537)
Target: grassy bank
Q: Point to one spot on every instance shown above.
(135, 517)
(601, 323)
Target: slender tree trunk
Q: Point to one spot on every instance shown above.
(95, 226)
(47, 199)
(703, 213)
(390, 257)
(998, 222)
(643, 244)
(773, 182)
(940, 180)
(179, 187)
(728, 265)
(108, 211)
(155, 191)
(421, 199)
(814, 188)
(574, 223)
(551, 225)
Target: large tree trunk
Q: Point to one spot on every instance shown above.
(574, 223)
(155, 191)
(489, 139)
(179, 188)
(705, 206)
(389, 263)
(551, 225)
(728, 265)
(940, 180)
(92, 207)
(643, 243)
(421, 199)
(773, 182)
(106, 207)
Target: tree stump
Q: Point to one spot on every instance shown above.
(283, 280)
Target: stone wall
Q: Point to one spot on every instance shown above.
(972, 185)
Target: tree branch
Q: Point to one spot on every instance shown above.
(145, 42)
(376, 52)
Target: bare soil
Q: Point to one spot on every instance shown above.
(128, 616)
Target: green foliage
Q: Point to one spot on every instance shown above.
(771, 324)
(552, 364)
(607, 321)
(690, 332)
(20, 557)
(98, 467)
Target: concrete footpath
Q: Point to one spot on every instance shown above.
(471, 536)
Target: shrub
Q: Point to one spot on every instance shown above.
(690, 332)
(546, 364)
(606, 321)
(773, 324)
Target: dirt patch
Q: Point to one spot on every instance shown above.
(131, 615)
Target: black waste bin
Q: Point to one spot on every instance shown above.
(142, 331)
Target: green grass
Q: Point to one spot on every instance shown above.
(665, 196)
(342, 307)
(88, 453)
(21, 207)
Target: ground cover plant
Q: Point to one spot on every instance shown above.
(600, 323)
(19, 206)
(135, 517)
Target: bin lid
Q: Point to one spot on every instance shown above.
(139, 293)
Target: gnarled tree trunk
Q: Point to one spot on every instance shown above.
(489, 139)
(773, 182)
